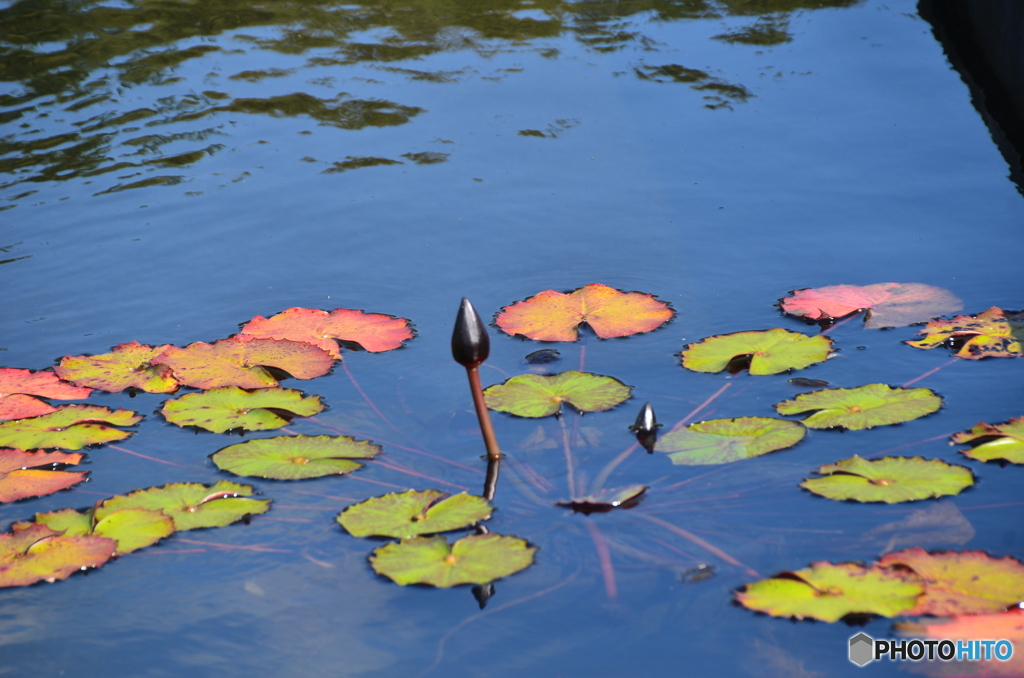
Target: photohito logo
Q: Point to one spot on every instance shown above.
(865, 649)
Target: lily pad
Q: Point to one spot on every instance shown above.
(887, 304)
(829, 592)
(131, 528)
(993, 334)
(412, 513)
(968, 582)
(19, 406)
(891, 479)
(44, 383)
(1008, 625)
(295, 457)
(37, 553)
(535, 395)
(770, 351)
(720, 441)
(606, 500)
(191, 505)
(375, 332)
(222, 409)
(71, 427)
(126, 366)
(234, 362)
(554, 316)
(476, 559)
(863, 407)
(1003, 441)
(21, 478)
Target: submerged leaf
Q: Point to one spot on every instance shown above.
(535, 395)
(37, 553)
(992, 334)
(863, 407)
(606, 500)
(1003, 441)
(720, 441)
(191, 505)
(375, 332)
(416, 512)
(554, 316)
(829, 592)
(19, 406)
(771, 351)
(888, 304)
(968, 582)
(295, 457)
(70, 427)
(44, 383)
(222, 409)
(233, 362)
(891, 479)
(476, 559)
(126, 366)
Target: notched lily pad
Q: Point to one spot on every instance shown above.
(131, 528)
(554, 316)
(375, 332)
(535, 395)
(603, 501)
(829, 592)
(223, 409)
(476, 559)
(891, 480)
(416, 512)
(234, 362)
(993, 334)
(770, 351)
(295, 457)
(126, 366)
(71, 427)
(191, 505)
(21, 476)
(720, 441)
(887, 304)
(1003, 441)
(37, 553)
(863, 407)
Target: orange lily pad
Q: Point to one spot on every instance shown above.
(887, 304)
(20, 406)
(554, 316)
(375, 332)
(231, 362)
(19, 477)
(126, 366)
(45, 384)
(993, 334)
(1007, 625)
(37, 553)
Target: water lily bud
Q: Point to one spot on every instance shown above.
(646, 427)
(470, 343)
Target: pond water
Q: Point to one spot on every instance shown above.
(170, 170)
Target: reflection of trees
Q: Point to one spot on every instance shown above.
(73, 56)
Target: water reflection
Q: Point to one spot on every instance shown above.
(90, 85)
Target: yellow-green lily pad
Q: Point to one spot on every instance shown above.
(228, 407)
(863, 407)
(131, 528)
(770, 351)
(891, 480)
(295, 457)
(720, 441)
(412, 513)
(476, 559)
(1002, 441)
(191, 505)
(71, 427)
(535, 395)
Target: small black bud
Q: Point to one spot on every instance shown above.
(470, 343)
(646, 427)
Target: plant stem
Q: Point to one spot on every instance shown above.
(491, 481)
(930, 372)
(698, 541)
(607, 570)
(490, 440)
(570, 476)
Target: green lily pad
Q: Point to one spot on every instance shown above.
(535, 395)
(606, 500)
(191, 505)
(126, 366)
(771, 351)
(830, 592)
(295, 457)
(407, 514)
(862, 407)
(720, 441)
(228, 407)
(71, 427)
(476, 559)
(131, 528)
(37, 553)
(892, 479)
(1002, 441)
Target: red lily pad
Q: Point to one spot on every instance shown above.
(968, 582)
(19, 406)
(993, 334)
(1007, 625)
(887, 304)
(45, 384)
(126, 366)
(37, 553)
(554, 316)
(20, 479)
(375, 332)
(70, 427)
(1003, 441)
(231, 362)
